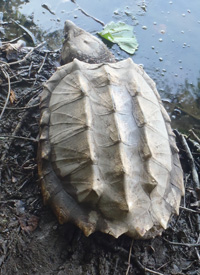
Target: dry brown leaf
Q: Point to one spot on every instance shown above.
(12, 50)
(12, 97)
(28, 222)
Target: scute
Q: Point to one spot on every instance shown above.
(108, 160)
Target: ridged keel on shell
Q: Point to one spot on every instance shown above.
(108, 159)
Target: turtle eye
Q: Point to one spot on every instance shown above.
(66, 35)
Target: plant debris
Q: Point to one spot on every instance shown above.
(121, 34)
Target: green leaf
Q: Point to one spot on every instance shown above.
(121, 34)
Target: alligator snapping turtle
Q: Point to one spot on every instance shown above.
(107, 156)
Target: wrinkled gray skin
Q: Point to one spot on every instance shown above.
(83, 46)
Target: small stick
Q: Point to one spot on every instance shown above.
(12, 82)
(8, 95)
(186, 182)
(193, 169)
(147, 269)
(184, 244)
(30, 68)
(194, 135)
(44, 59)
(18, 137)
(129, 258)
(163, 265)
(152, 271)
(197, 251)
(95, 19)
(198, 254)
(22, 108)
(29, 33)
(26, 56)
(189, 210)
(190, 158)
(3, 62)
(88, 15)
(13, 40)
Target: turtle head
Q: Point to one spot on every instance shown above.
(83, 46)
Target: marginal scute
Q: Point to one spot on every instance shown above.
(46, 150)
(44, 134)
(44, 119)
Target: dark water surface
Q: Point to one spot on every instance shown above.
(168, 33)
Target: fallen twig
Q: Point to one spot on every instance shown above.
(193, 168)
(18, 137)
(147, 269)
(88, 15)
(196, 117)
(194, 135)
(29, 34)
(21, 108)
(25, 57)
(198, 254)
(190, 158)
(163, 265)
(183, 244)
(8, 95)
(43, 61)
(129, 258)
(29, 69)
(197, 251)
(186, 182)
(190, 210)
(13, 40)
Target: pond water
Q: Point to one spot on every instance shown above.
(168, 34)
